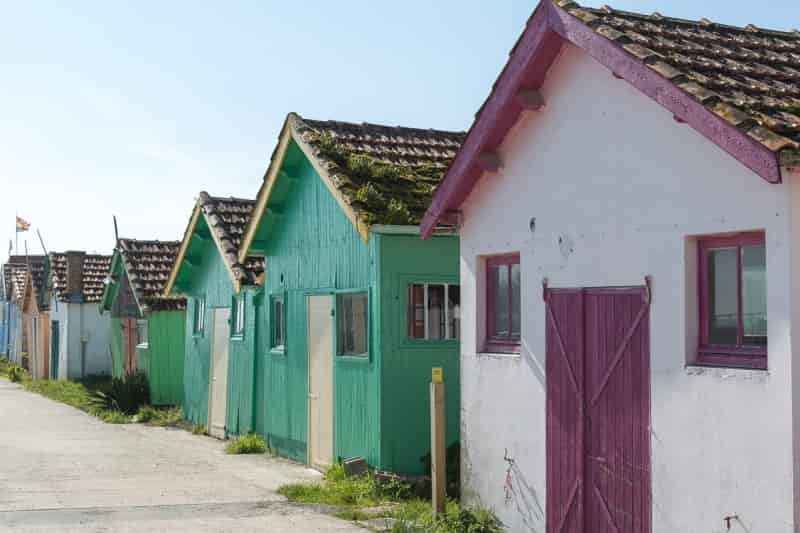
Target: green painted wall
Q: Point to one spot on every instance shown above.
(312, 247)
(163, 358)
(407, 363)
(210, 280)
(117, 354)
(241, 370)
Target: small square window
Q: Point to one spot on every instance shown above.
(434, 311)
(278, 323)
(733, 301)
(238, 316)
(142, 339)
(503, 320)
(352, 317)
(199, 319)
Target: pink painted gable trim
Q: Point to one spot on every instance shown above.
(527, 68)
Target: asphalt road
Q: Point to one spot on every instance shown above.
(63, 470)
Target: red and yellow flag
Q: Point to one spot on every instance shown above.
(22, 225)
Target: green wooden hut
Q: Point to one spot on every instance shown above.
(222, 293)
(147, 327)
(356, 309)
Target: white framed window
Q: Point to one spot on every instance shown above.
(142, 338)
(278, 323)
(198, 323)
(238, 316)
(434, 311)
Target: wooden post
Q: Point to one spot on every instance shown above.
(438, 460)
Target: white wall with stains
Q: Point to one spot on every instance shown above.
(84, 339)
(617, 189)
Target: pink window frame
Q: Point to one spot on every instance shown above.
(500, 344)
(740, 355)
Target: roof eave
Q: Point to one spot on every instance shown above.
(290, 133)
(187, 238)
(549, 28)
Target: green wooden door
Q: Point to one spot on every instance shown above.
(54, 344)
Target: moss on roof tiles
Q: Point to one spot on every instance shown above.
(386, 174)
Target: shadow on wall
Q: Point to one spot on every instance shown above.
(526, 354)
(520, 494)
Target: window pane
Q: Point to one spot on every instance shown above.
(277, 323)
(723, 296)
(515, 301)
(352, 324)
(498, 277)
(454, 310)
(239, 322)
(199, 315)
(416, 311)
(141, 333)
(754, 295)
(436, 312)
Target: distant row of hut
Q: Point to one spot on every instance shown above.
(311, 314)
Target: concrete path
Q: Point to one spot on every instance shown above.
(63, 470)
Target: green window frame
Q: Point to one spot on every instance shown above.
(199, 316)
(237, 316)
(352, 324)
(277, 322)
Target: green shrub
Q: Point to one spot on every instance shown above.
(199, 429)
(146, 414)
(250, 443)
(16, 373)
(153, 416)
(126, 394)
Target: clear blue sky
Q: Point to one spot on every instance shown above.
(132, 108)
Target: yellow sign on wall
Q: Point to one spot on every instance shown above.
(436, 374)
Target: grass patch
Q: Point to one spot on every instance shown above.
(336, 489)
(77, 394)
(114, 417)
(250, 443)
(417, 517)
(161, 417)
(364, 497)
(199, 429)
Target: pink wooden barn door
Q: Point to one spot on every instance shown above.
(605, 336)
(565, 411)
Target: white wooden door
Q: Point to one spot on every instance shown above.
(320, 380)
(218, 393)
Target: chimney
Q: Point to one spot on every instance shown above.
(75, 276)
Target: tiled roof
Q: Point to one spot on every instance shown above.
(737, 87)
(387, 174)
(14, 262)
(15, 279)
(16, 269)
(95, 271)
(148, 264)
(748, 76)
(227, 218)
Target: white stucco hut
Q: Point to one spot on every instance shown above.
(80, 333)
(630, 240)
